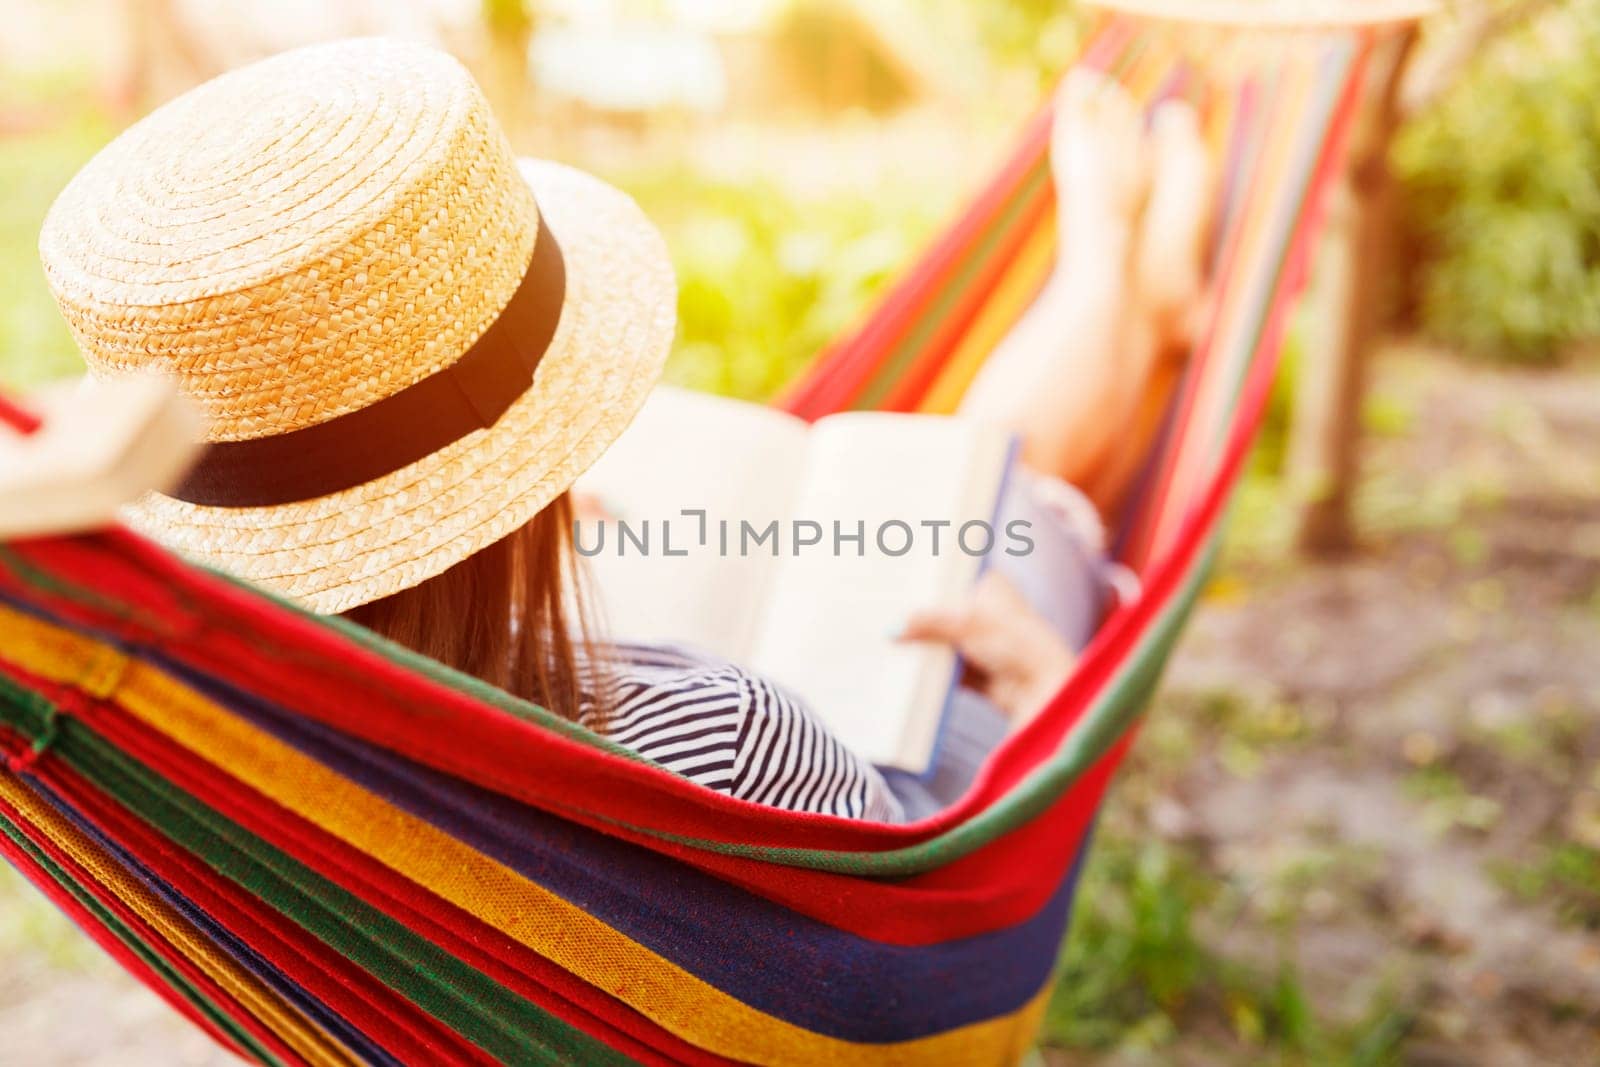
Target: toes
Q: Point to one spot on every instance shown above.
(1095, 99)
(1176, 222)
(1181, 184)
(1100, 160)
(1097, 123)
(1073, 100)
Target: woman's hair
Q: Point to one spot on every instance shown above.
(511, 614)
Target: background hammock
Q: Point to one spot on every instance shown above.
(324, 849)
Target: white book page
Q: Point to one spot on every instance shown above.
(690, 451)
(828, 631)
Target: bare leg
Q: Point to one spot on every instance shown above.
(1071, 375)
(1170, 275)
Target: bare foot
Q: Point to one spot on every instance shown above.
(1059, 378)
(1073, 375)
(1100, 160)
(1175, 228)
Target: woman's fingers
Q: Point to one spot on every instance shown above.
(945, 625)
(982, 612)
(977, 629)
(1013, 656)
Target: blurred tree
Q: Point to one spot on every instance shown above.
(837, 59)
(1038, 34)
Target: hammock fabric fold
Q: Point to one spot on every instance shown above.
(323, 849)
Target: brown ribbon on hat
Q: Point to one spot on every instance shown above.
(368, 443)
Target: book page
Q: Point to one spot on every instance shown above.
(908, 484)
(662, 576)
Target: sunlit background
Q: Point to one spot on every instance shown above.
(1362, 824)
(803, 148)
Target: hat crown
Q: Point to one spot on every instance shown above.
(298, 238)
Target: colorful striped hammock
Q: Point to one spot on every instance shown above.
(324, 849)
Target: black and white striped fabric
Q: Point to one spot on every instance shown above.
(731, 731)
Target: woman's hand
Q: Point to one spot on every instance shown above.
(1013, 656)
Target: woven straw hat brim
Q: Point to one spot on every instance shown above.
(338, 551)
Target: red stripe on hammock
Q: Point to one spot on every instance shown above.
(17, 418)
(842, 369)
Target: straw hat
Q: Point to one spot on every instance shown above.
(407, 341)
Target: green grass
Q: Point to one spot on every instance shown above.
(1168, 946)
(765, 282)
(1136, 971)
(1132, 961)
(34, 343)
(1446, 804)
(1564, 875)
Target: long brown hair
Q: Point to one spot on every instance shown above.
(512, 614)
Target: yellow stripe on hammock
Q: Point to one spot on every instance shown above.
(302, 1035)
(481, 886)
(1013, 293)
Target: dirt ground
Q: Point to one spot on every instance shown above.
(1385, 771)
(1362, 824)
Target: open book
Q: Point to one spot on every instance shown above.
(799, 550)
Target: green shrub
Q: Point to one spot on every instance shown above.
(34, 343)
(766, 281)
(834, 61)
(1502, 180)
(1037, 35)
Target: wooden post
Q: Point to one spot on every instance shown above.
(1359, 254)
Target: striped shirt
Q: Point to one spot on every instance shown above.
(734, 732)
